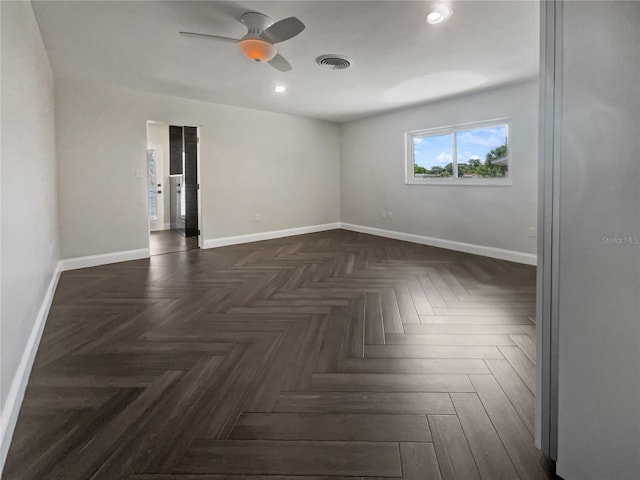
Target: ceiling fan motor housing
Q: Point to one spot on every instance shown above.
(256, 23)
(252, 45)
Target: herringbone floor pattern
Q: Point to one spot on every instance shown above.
(334, 354)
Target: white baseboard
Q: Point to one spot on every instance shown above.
(21, 378)
(502, 254)
(511, 255)
(256, 237)
(103, 259)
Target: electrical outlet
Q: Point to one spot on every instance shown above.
(138, 173)
(389, 215)
(532, 232)
(256, 217)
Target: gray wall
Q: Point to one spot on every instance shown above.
(372, 157)
(599, 282)
(28, 194)
(282, 167)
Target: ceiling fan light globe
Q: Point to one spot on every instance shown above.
(257, 50)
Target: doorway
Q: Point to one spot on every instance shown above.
(173, 166)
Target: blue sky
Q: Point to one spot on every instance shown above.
(432, 151)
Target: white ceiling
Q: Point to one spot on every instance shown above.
(398, 58)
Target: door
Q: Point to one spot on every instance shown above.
(190, 190)
(183, 161)
(155, 175)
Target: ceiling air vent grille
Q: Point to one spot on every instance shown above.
(334, 62)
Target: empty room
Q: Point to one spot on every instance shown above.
(295, 240)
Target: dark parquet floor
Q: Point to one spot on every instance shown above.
(170, 241)
(330, 355)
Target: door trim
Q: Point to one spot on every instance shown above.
(199, 196)
(548, 227)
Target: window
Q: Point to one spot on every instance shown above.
(151, 162)
(471, 154)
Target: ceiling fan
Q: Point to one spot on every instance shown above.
(263, 33)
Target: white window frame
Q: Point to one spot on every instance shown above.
(454, 180)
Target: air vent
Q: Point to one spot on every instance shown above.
(335, 62)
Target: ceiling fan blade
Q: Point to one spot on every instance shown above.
(279, 63)
(209, 37)
(283, 30)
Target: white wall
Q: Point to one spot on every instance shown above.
(28, 196)
(373, 166)
(282, 167)
(599, 284)
(158, 134)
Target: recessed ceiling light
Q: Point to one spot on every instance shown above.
(280, 89)
(439, 14)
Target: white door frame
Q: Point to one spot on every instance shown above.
(199, 170)
(198, 164)
(548, 227)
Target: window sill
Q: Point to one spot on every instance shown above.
(487, 182)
